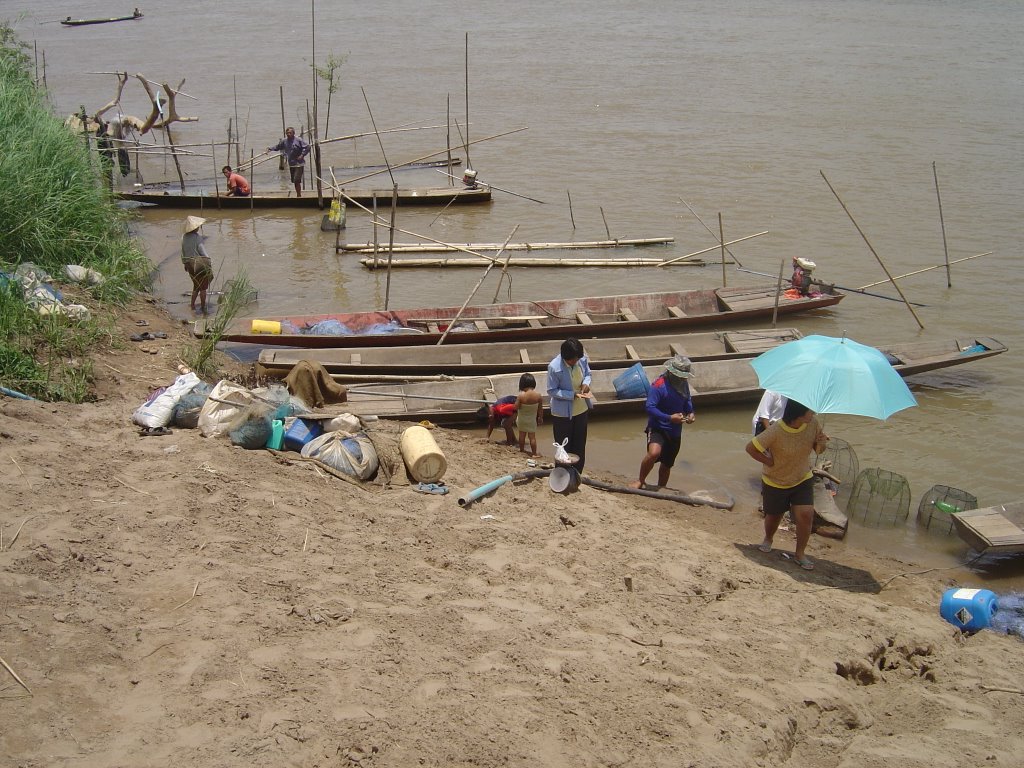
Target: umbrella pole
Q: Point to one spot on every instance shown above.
(884, 268)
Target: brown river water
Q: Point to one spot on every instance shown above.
(632, 108)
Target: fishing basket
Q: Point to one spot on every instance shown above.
(840, 459)
(880, 498)
(935, 511)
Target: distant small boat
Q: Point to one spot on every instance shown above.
(283, 199)
(69, 22)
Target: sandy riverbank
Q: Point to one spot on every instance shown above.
(176, 599)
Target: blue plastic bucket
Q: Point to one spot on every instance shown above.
(632, 383)
(968, 609)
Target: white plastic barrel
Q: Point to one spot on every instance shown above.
(423, 459)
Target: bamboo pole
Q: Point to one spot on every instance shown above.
(504, 269)
(572, 218)
(174, 156)
(500, 189)
(926, 269)
(778, 293)
(468, 164)
(284, 128)
(874, 253)
(607, 231)
(238, 149)
(252, 183)
(469, 298)
(942, 221)
(668, 262)
(376, 242)
(381, 143)
(391, 241)
(216, 173)
(721, 239)
(521, 246)
(710, 230)
(448, 134)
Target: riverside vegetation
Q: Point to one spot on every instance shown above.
(57, 209)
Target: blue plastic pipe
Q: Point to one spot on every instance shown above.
(12, 393)
(483, 490)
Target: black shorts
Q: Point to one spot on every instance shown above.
(777, 501)
(669, 446)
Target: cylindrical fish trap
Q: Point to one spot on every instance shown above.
(840, 460)
(880, 498)
(423, 459)
(938, 505)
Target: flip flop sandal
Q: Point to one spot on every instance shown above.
(147, 336)
(154, 431)
(432, 488)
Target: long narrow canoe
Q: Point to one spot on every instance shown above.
(285, 199)
(915, 357)
(520, 356)
(443, 247)
(715, 382)
(69, 22)
(992, 530)
(597, 316)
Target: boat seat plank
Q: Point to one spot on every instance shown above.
(465, 358)
(631, 352)
(741, 303)
(534, 323)
(583, 318)
(524, 356)
(627, 314)
(676, 312)
(481, 325)
(356, 358)
(677, 349)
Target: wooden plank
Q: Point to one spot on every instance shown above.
(524, 356)
(676, 312)
(356, 359)
(627, 314)
(631, 352)
(534, 323)
(583, 318)
(677, 349)
(481, 325)
(465, 358)
(504, 318)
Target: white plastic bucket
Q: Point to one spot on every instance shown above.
(564, 479)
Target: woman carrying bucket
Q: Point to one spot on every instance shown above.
(668, 407)
(571, 400)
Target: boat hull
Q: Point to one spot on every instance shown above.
(411, 196)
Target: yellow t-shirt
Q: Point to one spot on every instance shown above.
(579, 405)
(791, 449)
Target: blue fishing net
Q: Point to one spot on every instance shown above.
(328, 328)
(1009, 618)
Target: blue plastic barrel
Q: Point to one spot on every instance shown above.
(632, 383)
(968, 609)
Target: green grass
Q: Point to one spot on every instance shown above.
(199, 355)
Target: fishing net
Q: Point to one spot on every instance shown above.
(935, 511)
(840, 460)
(879, 498)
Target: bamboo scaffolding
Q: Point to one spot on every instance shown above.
(413, 263)
(434, 248)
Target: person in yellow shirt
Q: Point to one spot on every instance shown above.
(787, 483)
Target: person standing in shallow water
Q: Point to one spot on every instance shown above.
(669, 406)
(196, 262)
(787, 483)
(570, 398)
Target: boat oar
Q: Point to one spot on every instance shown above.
(668, 262)
(500, 189)
(927, 269)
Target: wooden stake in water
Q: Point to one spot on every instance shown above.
(942, 222)
(216, 171)
(391, 241)
(721, 239)
(607, 231)
(778, 293)
(284, 129)
(873, 251)
(571, 217)
(468, 163)
(238, 149)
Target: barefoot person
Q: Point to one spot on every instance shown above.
(295, 150)
(529, 413)
(668, 407)
(195, 260)
(238, 186)
(787, 483)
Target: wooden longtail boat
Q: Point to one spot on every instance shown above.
(520, 356)
(286, 199)
(993, 530)
(623, 315)
(714, 382)
(69, 22)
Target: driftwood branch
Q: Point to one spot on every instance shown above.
(122, 80)
(156, 119)
(15, 675)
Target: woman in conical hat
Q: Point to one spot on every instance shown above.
(196, 261)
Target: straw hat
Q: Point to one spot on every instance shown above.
(679, 366)
(805, 264)
(192, 223)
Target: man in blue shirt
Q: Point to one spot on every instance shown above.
(668, 407)
(295, 149)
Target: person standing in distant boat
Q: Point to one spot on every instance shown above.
(196, 262)
(238, 186)
(295, 150)
(571, 399)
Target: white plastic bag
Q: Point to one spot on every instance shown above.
(157, 411)
(352, 454)
(560, 453)
(225, 402)
(346, 422)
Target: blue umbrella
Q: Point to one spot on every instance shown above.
(831, 375)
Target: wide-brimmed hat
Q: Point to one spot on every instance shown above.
(679, 366)
(192, 223)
